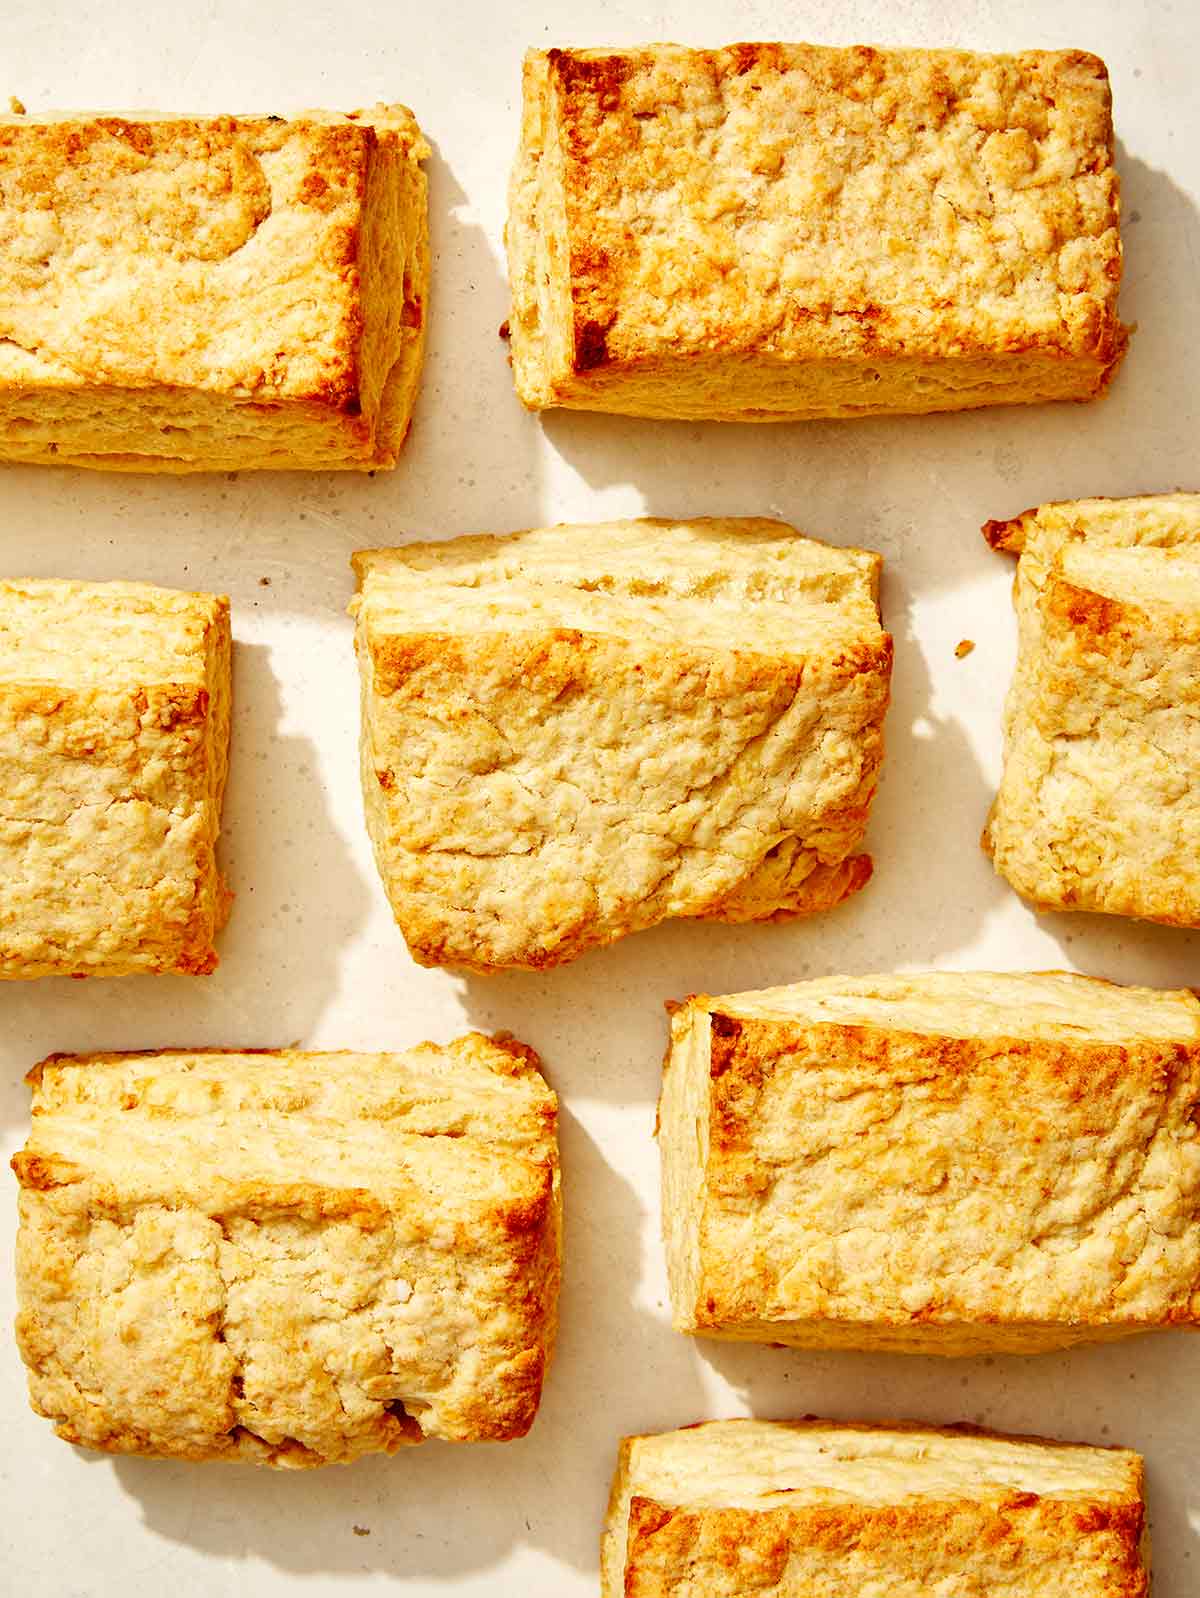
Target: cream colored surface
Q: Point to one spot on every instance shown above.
(575, 732)
(946, 1164)
(780, 231)
(188, 294)
(291, 1259)
(931, 1490)
(114, 746)
(1097, 807)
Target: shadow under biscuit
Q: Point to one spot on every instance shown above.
(1141, 953)
(472, 463)
(298, 899)
(1147, 1383)
(920, 487)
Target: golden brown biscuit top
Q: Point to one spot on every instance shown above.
(213, 253)
(1030, 1156)
(794, 199)
(1097, 806)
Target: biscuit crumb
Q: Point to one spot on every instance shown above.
(16, 106)
(361, 1531)
(963, 648)
(264, 582)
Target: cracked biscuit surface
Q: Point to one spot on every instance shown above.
(817, 1509)
(183, 294)
(285, 1258)
(114, 740)
(947, 1163)
(573, 733)
(1098, 805)
(769, 232)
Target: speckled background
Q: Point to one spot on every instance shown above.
(311, 954)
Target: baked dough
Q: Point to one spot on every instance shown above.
(572, 733)
(183, 294)
(114, 744)
(288, 1259)
(1099, 804)
(951, 1163)
(813, 1509)
(770, 232)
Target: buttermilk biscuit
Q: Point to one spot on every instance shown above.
(777, 231)
(184, 294)
(572, 733)
(290, 1259)
(114, 740)
(812, 1509)
(1099, 804)
(939, 1164)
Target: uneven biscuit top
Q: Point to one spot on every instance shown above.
(1143, 521)
(471, 1117)
(1050, 1006)
(757, 1464)
(690, 582)
(1096, 808)
(574, 732)
(96, 634)
(289, 1258)
(941, 1156)
(217, 254)
(813, 1509)
(826, 203)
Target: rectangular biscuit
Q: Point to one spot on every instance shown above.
(286, 1258)
(183, 294)
(1099, 803)
(948, 1163)
(114, 746)
(572, 733)
(814, 1509)
(770, 232)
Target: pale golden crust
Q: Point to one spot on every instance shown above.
(286, 1258)
(818, 1510)
(1097, 805)
(187, 294)
(697, 232)
(574, 733)
(863, 1184)
(114, 739)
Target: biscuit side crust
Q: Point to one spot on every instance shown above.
(1096, 808)
(541, 324)
(114, 750)
(812, 1508)
(572, 733)
(239, 292)
(958, 1189)
(696, 233)
(287, 1258)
